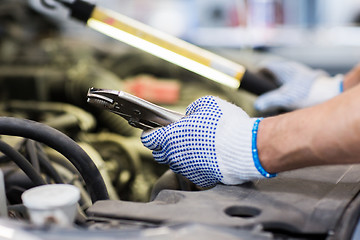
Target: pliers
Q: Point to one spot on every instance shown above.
(138, 112)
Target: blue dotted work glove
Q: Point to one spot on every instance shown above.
(301, 87)
(212, 144)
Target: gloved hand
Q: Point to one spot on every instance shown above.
(301, 87)
(214, 143)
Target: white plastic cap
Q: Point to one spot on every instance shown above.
(50, 196)
(52, 204)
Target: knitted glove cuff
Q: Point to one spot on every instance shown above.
(323, 89)
(235, 146)
(255, 151)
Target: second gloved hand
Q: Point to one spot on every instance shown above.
(300, 86)
(212, 144)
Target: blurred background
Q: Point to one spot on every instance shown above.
(322, 33)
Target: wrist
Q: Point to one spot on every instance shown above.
(352, 78)
(268, 152)
(286, 142)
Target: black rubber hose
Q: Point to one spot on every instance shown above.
(22, 163)
(64, 145)
(46, 165)
(32, 152)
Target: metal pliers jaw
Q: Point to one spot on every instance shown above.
(138, 112)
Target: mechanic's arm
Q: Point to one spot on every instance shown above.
(218, 142)
(327, 133)
(352, 78)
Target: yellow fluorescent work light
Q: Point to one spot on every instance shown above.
(167, 47)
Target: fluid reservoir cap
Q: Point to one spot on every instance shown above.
(50, 196)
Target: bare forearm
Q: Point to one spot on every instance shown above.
(328, 133)
(352, 78)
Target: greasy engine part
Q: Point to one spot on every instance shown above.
(61, 143)
(129, 164)
(115, 155)
(67, 115)
(17, 181)
(22, 26)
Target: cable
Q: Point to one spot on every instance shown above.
(64, 145)
(46, 165)
(32, 152)
(22, 162)
(3, 204)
